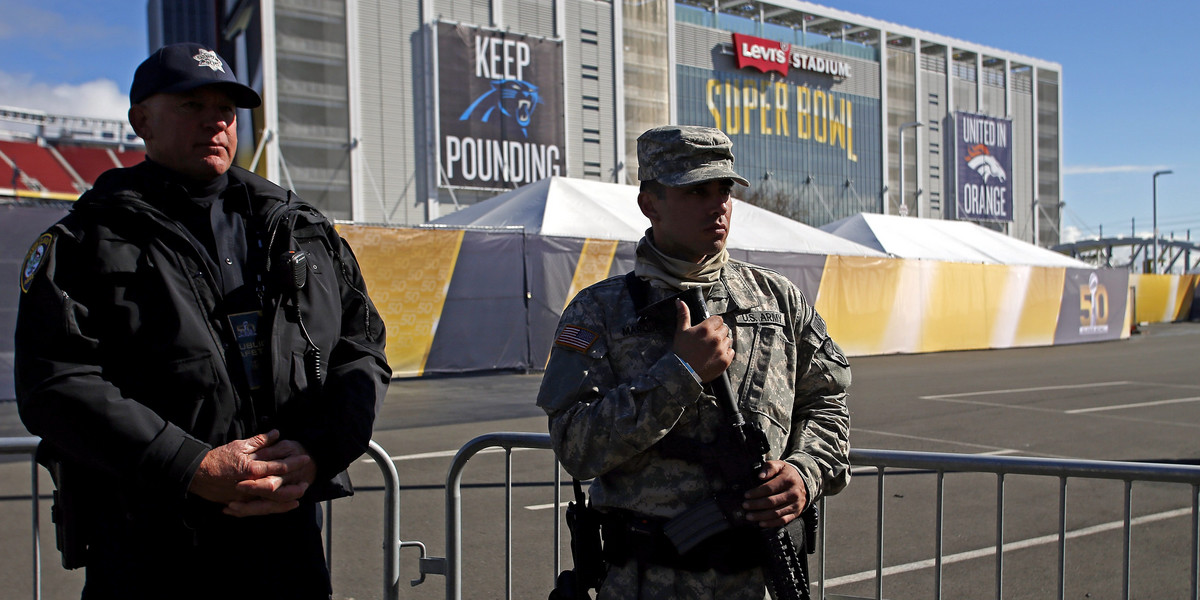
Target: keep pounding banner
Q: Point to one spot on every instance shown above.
(500, 108)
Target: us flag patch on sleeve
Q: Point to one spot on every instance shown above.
(576, 338)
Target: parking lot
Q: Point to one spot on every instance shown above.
(1132, 400)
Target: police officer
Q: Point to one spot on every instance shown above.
(627, 400)
(196, 348)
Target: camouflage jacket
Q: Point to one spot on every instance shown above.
(613, 390)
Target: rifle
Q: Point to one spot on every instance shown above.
(743, 446)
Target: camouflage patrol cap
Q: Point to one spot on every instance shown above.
(679, 155)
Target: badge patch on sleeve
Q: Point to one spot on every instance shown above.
(834, 353)
(33, 260)
(576, 338)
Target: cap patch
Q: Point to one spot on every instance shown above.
(208, 58)
(576, 338)
(34, 259)
(180, 68)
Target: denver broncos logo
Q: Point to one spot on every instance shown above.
(982, 162)
(514, 99)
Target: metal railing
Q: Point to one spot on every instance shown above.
(940, 464)
(28, 445)
(391, 515)
(451, 565)
(1001, 466)
(881, 460)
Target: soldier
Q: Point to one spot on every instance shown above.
(629, 402)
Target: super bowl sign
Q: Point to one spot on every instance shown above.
(500, 108)
(983, 167)
(1094, 304)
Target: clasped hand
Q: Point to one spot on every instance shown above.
(256, 476)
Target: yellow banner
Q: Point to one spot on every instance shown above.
(595, 261)
(856, 299)
(408, 274)
(1163, 298)
(890, 305)
(1041, 302)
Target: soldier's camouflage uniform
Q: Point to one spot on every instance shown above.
(613, 389)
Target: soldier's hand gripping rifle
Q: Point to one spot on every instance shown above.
(739, 462)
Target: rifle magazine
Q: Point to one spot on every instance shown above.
(696, 524)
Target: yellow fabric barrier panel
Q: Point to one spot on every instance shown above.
(408, 274)
(974, 306)
(887, 305)
(958, 306)
(1041, 302)
(857, 299)
(595, 261)
(1189, 296)
(1163, 298)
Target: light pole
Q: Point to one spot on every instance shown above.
(903, 202)
(1154, 260)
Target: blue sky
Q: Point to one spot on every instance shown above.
(1131, 85)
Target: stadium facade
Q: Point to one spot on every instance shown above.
(398, 111)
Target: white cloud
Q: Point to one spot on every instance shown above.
(1071, 234)
(1098, 170)
(100, 98)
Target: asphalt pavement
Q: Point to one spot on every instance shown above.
(1125, 400)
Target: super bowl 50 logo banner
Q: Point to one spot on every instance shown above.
(1093, 305)
(983, 167)
(500, 112)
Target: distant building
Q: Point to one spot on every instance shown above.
(172, 21)
(398, 111)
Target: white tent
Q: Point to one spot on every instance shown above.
(938, 239)
(578, 208)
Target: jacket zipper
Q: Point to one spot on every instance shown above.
(143, 210)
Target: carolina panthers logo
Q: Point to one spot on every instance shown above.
(514, 99)
(982, 162)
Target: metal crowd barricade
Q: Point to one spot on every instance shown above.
(451, 565)
(1010, 465)
(881, 460)
(28, 445)
(391, 515)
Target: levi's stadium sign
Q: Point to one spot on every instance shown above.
(770, 55)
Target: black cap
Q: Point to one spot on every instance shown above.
(187, 66)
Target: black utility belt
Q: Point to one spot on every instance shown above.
(628, 535)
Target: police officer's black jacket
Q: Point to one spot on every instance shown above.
(126, 365)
